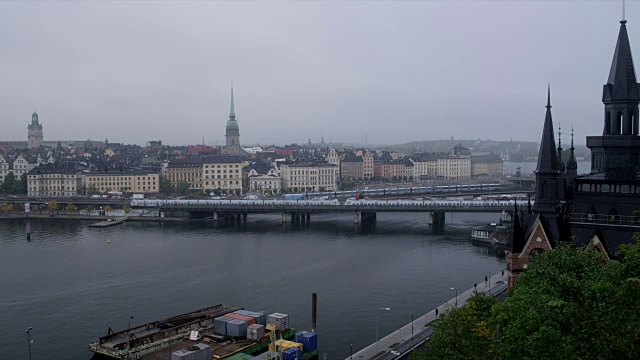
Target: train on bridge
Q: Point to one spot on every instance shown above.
(154, 203)
(422, 190)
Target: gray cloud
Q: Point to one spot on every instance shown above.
(399, 71)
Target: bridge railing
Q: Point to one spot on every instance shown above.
(604, 219)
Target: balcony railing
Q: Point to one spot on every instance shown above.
(608, 220)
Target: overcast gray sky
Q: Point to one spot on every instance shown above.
(399, 71)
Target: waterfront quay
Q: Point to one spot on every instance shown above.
(401, 342)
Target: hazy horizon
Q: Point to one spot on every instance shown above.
(394, 72)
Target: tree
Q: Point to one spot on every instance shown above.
(126, 209)
(52, 205)
(35, 208)
(463, 333)
(19, 207)
(20, 186)
(165, 186)
(182, 187)
(92, 190)
(5, 208)
(70, 207)
(569, 304)
(8, 183)
(107, 209)
(89, 209)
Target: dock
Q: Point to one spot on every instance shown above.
(401, 342)
(108, 223)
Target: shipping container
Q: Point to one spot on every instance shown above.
(195, 352)
(248, 319)
(220, 325)
(280, 320)
(237, 328)
(309, 340)
(281, 345)
(255, 332)
(292, 354)
(261, 318)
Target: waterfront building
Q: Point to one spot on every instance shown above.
(54, 180)
(222, 173)
(188, 169)
(34, 132)
(232, 134)
(23, 164)
(265, 183)
(453, 167)
(425, 166)
(320, 176)
(4, 168)
(126, 181)
(382, 169)
(486, 165)
(367, 163)
(352, 167)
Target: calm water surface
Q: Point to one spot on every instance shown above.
(71, 286)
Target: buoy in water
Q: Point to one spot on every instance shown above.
(108, 241)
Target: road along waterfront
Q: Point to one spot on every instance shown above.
(70, 284)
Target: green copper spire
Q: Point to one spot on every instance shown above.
(232, 113)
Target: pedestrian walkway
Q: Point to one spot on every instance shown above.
(410, 336)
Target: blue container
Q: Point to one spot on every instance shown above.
(308, 340)
(292, 354)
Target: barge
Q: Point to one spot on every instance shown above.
(216, 332)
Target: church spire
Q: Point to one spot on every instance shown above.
(548, 180)
(547, 157)
(560, 163)
(621, 84)
(232, 112)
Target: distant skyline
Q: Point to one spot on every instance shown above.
(396, 71)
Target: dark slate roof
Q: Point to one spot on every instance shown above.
(617, 174)
(222, 159)
(621, 84)
(491, 158)
(185, 163)
(548, 157)
(55, 169)
(352, 158)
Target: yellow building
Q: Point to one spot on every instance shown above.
(189, 170)
(222, 173)
(308, 176)
(51, 180)
(133, 181)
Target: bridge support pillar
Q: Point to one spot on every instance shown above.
(368, 217)
(293, 218)
(244, 217)
(357, 217)
(308, 216)
(285, 217)
(215, 216)
(238, 218)
(436, 221)
(303, 218)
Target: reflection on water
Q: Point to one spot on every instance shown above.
(70, 284)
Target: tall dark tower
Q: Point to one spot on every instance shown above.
(233, 130)
(572, 170)
(619, 144)
(34, 132)
(547, 173)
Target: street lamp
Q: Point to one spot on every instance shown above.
(456, 289)
(29, 340)
(377, 323)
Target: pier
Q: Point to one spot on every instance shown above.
(401, 342)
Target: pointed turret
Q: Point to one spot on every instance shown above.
(547, 172)
(572, 167)
(621, 84)
(621, 93)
